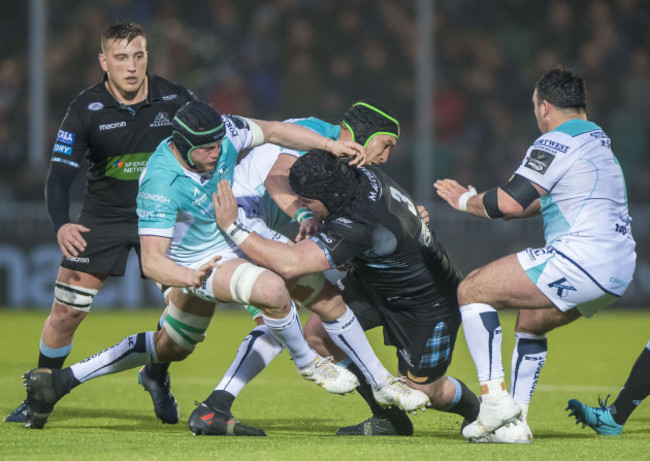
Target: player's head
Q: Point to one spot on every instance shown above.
(371, 125)
(563, 90)
(320, 175)
(198, 125)
(124, 58)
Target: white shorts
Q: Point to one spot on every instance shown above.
(205, 291)
(563, 281)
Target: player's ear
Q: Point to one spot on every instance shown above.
(102, 62)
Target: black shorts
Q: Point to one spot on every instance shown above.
(107, 249)
(424, 335)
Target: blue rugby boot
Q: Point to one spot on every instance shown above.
(19, 415)
(599, 419)
(164, 403)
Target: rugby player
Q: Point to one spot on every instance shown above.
(399, 276)
(115, 125)
(571, 176)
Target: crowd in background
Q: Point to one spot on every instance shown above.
(277, 59)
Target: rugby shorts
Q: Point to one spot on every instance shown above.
(424, 334)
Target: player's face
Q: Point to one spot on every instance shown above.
(125, 63)
(205, 158)
(316, 207)
(379, 147)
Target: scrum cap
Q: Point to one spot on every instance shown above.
(320, 175)
(366, 119)
(196, 124)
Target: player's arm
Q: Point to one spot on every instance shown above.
(289, 261)
(298, 137)
(515, 199)
(159, 268)
(278, 187)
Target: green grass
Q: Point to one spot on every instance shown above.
(112, 417)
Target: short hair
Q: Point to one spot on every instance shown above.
(562, 88)
(122, 31)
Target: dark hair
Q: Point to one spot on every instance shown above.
(563, 89)
(122, 31)
(321, 175)
(367, 118)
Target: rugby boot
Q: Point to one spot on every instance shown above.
(42, 395)
(209, 421)
(330, 376)
(498, 409)
(164, 403)
(396, 392)
(19, 415)
(393, 421)
(599, 419)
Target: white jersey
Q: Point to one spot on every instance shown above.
(585, 212)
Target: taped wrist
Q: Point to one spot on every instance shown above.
(303, 214)
(238, 232)
(464, 198)
(491, 204)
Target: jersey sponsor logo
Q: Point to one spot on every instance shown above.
(534, 253)
(65, 137)
(374, 183)
(551, 144)
(95, 106)
(112, 126)
(61, 149)
(343, 221)
(153, 197)
(169, 97)
(144, 214)
(161, 119)
(406, 356)
(201, 200)
(196, 191)
(539, 161)
(77, 259)
(239, 122)
(619, 282)
(563, 287)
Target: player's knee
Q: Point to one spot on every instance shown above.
(464, 292)
(183, 332)
(73, 297)
(251, 284)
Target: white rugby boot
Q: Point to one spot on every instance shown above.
(330, 376)
(396, 392)
(519, 432)
(498, 409)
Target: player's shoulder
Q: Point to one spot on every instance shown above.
(568, 136)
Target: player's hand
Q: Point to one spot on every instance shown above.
(424, 214)
(225, 204)
(70, 239)
(450, 191)
(308, 228)
(348, 149)
(202, 273)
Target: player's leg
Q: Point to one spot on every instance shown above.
(185, 324)
(502, 284)
(609, 420)
(73, 297)
(240, 281)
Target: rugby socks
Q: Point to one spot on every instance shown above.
(131, 352)
(288, 331)
(483, 335)
(364, 388)
(465, 403)
(255, 352)
(158, 371)
(347, 334)
(53, 357)
(635, 390)
(528, 358)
